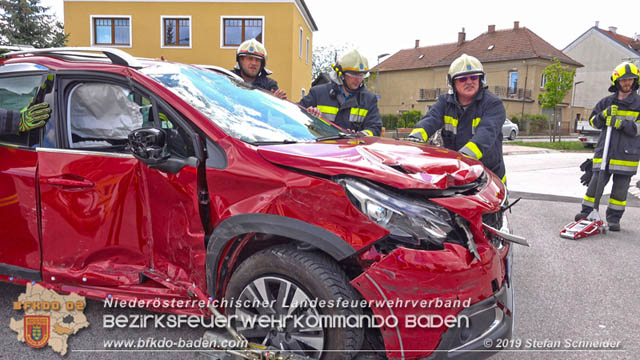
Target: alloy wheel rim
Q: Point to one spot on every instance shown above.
(299, 329)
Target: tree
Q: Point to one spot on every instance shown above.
(559, 80)
(26, 22)
(323, 57)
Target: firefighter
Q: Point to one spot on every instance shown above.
(620, 110)
(251, 58)
(345, 100)
(470, 116)
(31, 117)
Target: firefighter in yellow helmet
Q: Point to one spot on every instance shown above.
(251, 58)
(620, 110)
(470, 116)
(345, 100)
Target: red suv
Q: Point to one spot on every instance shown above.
(161, 180)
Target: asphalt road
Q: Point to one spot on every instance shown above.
(565, 290)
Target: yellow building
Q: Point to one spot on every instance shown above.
(201, 32)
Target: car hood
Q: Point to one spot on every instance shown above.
(402, 165)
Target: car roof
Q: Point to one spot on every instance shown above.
(81, 54)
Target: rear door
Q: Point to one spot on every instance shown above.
(106, 217)
(19, 236)
(94, 228)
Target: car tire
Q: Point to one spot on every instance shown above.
(298, 274)
(512, 135)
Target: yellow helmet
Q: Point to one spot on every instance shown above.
(626, 70)
(352, 62)
(464, 65)
(252, 48)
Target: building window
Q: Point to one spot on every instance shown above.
(111, 31)
(238, 30)
(308, 46)
(176, 31)
(300, 44)
(513, 82)
(543, 81)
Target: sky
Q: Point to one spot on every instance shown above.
(379, 27)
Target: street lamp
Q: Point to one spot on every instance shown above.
(378, 70)
(573, 99)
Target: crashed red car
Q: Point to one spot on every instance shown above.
(162, 180)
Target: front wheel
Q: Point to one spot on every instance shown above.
(512, 136)
(284, 281)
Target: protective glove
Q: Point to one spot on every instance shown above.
(587, 168)
(629, 127)
(34, 116)
(610, 116)
(418, 135)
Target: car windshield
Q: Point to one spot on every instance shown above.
(242, 111)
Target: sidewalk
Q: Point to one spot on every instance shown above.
(521, 150)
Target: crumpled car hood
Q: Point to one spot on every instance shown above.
(402, 165)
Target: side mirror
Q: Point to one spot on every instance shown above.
(149, 145)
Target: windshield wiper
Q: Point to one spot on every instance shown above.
(274, 142)
(339, 136)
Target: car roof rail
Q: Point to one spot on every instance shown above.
(117, 56)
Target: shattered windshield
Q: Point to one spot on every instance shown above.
(246, 113)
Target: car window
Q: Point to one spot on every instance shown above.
(101, 116)
(242, 111)
(16, 93)
(179, 143)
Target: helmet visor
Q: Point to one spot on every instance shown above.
(358, 75)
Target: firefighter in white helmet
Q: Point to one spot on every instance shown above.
(345, 100)
(470, 116)
(251, 58)
(621, 110)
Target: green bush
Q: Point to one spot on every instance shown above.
(538, 123)
(411, 118)
(390, 121)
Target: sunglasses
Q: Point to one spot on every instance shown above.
(464, 78)
(355, 75)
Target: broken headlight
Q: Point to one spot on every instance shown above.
(408, 220)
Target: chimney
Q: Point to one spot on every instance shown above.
(461, 37)
(417, 43)
(597, 23)
(613, 29)
(516, 25)
(492, 29)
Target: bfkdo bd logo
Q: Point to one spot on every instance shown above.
(36, 330)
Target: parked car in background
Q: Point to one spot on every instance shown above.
(509, 130)
(159, 180)
(588, 135)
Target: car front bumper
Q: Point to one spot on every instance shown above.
(491, 323)
(449, 275)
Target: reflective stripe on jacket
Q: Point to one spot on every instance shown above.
(475, 131)
(359, 112)
(624, 148)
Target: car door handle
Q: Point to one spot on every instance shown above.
(66, 182)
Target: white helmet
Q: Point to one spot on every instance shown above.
(465, 65)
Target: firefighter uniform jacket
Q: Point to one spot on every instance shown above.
(9, 122)
(358, 112)
(262, 80)
(475, 131)
(624, 147)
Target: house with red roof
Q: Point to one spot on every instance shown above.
(600, 51)
(514, 60)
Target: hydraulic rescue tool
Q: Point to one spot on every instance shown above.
(593, 224)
